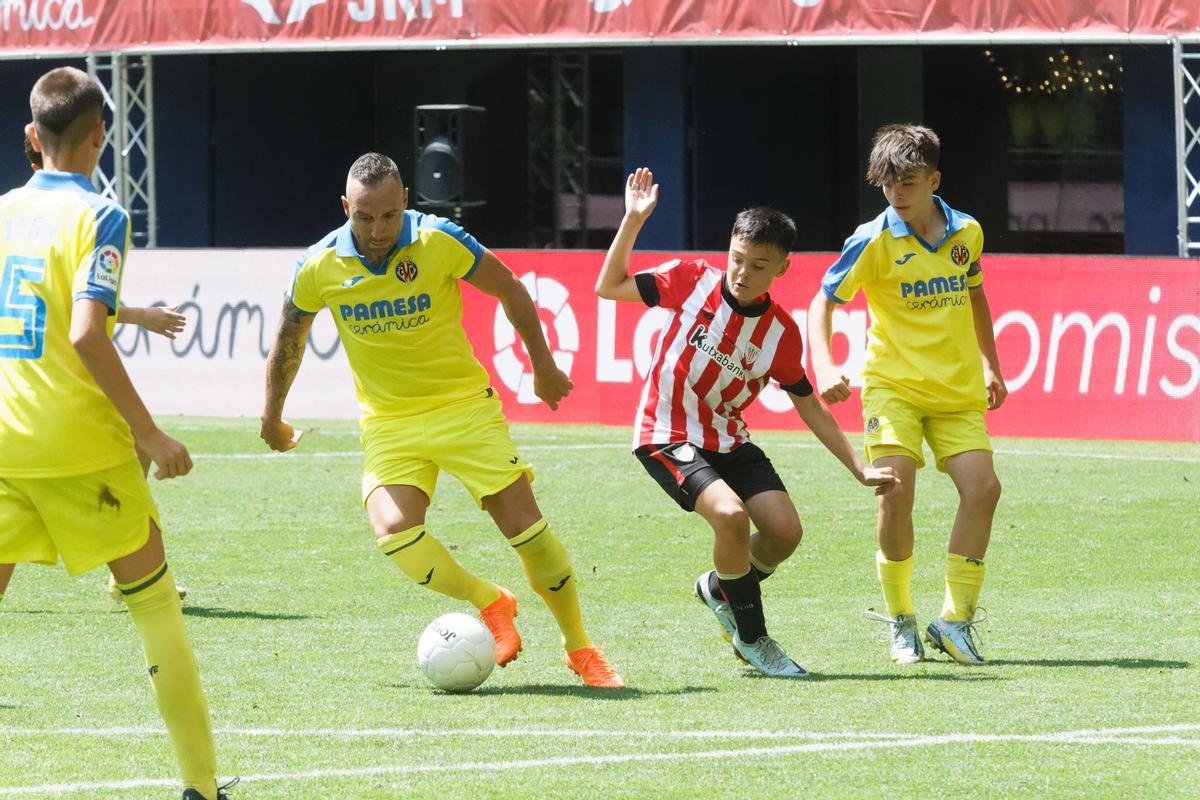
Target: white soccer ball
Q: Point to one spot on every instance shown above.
(456, 652)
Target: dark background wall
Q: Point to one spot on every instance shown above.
(16, 79)
(252, 150)
(761, 136)
(495, 80)
(285, 128)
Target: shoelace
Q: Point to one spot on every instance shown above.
(774, 657)
(230, 785)
(970, 629)
(893, 625)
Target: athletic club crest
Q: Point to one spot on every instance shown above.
(406, 270)
(751, 354)
(959, 254)
(685, 453)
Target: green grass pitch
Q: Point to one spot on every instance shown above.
(306, 638)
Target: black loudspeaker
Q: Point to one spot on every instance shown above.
(449, 159)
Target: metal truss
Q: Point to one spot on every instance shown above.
(559, 151)
(1187, 145)
(126, 169)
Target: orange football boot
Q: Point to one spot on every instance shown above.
(499, 618)
(591, 665)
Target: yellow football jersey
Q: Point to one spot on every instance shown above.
(60, 241)
(401, 322)
(921, 342)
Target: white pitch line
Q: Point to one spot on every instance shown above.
(563, 733)
(1063, 738)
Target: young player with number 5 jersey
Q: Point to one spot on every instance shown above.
(71, 484)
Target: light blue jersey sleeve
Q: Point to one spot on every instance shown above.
(464, 254)
(854, 267)
(98, 276)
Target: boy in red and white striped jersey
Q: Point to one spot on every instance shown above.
(722, 342)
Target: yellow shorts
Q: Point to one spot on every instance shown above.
(892, 426)
(89, 520)
(469, 439)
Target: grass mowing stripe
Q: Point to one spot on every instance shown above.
(1083, 737)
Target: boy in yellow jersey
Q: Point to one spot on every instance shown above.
(164, 321)
(391, 279)
(919, 265)
(71, 485)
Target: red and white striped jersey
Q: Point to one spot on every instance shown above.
(714, 355)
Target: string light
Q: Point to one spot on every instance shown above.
(1064, 72)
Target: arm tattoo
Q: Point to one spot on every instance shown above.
(283, 362)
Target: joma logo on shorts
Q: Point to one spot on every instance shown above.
(385, 309)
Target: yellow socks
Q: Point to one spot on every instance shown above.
(427, 562)
(964, 577)
(153, 604)
(896, 579)
(549, 573)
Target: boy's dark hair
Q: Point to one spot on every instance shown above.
(66, 104)
(763, 225)
(372, 169)
(902, 150)
(35, 158)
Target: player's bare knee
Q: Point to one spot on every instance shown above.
(983, 493)
(898, 501)
(384, 525)
(788, 537)
(731, 519)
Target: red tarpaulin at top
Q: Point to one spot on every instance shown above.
(75, 26)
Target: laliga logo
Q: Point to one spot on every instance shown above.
(109, 259)
(108, 263)
(550, 295)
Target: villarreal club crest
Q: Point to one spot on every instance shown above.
(959, 254)
(406, 270)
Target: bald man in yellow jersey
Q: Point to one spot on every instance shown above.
(391, 279)
(924, 379)
(71, 485)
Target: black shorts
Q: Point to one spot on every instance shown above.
(684, 470)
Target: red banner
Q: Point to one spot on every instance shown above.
(76, 26)
(1104, 348)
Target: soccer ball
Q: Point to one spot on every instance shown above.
(456, 652)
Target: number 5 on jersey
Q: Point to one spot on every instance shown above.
(22, 315)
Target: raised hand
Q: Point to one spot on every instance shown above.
(641, 193)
